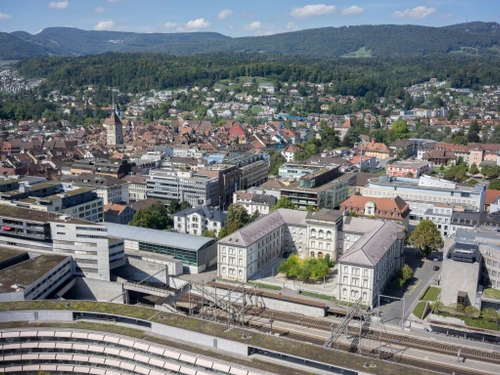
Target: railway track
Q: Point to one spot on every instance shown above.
(390, 338)
(384, 355)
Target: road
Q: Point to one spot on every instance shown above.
(424, 275)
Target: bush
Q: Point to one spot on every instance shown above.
(491, 315)
(472, 312)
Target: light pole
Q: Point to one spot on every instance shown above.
(271, 320)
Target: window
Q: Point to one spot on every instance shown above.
(321, 234)
(313, 232)
(329, 235)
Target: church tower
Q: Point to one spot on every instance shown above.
(114, 129)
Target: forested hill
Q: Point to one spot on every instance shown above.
(477, 38)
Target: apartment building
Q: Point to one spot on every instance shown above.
(167, 185)
(136, 187)
(395, 209)
(199, 219)
(373, 252)
(103, 167)
(254, 201)
(93, 252)
(110, 189)
(441, 214)
(409, 168)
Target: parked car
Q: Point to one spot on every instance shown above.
(436, 259)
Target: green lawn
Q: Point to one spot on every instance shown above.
(419, 309)
(265, 286)
(481, 323)
(317, 295)
(492, 293)
(431, 294)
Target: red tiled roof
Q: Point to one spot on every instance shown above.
(491, 195)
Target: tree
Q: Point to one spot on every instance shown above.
(284, 202)
(472, 181)
(473, 169)
(305, 269)
(350, 138)
(237, 217)
(184, 205)
(154, 217)
(426, 237)
(472, 312)
(276, 161)
(490, 315)
(494, 184)
(210, 233)
(174, 206)
(473, 133)
(400, 129)
(401, 153)
(406, 272)
(254, 216)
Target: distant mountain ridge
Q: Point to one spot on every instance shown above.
(474, 38)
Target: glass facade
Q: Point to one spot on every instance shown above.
(187, 257)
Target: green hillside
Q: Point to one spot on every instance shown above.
(476, 38)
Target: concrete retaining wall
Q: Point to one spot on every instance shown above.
(271, 303)
(200, 339)
(33, 316)
(95, 290)
(138, 269)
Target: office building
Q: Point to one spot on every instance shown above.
(167, 185)
(325, 188)
(28, 276)
(420, 193)
(51, 196)
(94, 253)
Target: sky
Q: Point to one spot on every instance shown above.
(236, 17)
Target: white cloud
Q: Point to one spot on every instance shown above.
(312, 10)
(252, 26)
(197, 24)
(223, 14)
(352, 11)
(417, 13)
(171, 25)
(4, 16)
(59, 4)
(99, 10)
(105, 25)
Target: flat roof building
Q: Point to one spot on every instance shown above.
(196, 253)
